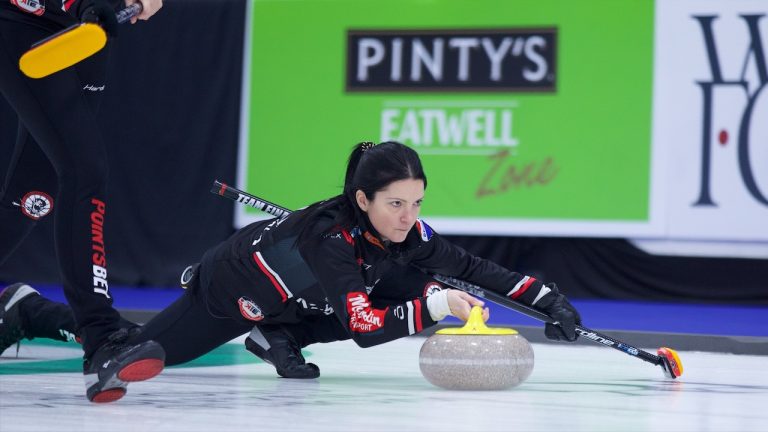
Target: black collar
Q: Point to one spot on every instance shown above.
(369, 233)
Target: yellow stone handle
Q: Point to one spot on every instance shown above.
(476, 326)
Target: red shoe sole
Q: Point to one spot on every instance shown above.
(141, 370)
(110, 395)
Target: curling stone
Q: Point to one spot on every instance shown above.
(476, 357)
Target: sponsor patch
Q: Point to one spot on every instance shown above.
(249, 309)
(99, 256)
(425, 231)
(36, 204)
(431, 288)
(35, 7)
(362, 317)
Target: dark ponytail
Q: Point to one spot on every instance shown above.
(370, 168)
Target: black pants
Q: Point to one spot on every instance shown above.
(192, 326)
(59, 167)
(187, 329)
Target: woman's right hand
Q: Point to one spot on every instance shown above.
(461, 304)
(150, 7)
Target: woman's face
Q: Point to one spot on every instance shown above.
(394, 209)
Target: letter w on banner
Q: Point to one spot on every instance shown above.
(711, 118)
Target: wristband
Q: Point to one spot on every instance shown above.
(437, 304)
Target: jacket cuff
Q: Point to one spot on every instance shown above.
(426, 318)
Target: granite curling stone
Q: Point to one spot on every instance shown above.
(476, 357)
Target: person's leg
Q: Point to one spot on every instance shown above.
(187, 330)
(27, 193)
(12, 328)
(44, 318)
(48, 319)
(27, 314)
(280, 344)
(274, 344)
(59, 113)
(60, 118)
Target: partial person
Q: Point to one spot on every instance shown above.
(59, 166)
(353, 266)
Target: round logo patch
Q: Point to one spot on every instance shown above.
(36, 7)
(36, 204)
(431, 288)
(249, 309)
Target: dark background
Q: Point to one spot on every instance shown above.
(171, 119)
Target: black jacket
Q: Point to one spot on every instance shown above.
(259, 266)
(51, 15)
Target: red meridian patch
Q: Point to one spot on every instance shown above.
(362, 317)
(141, 370)
(110, 395)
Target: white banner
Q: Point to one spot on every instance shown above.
(711, 119)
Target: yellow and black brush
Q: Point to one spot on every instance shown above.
(69, 46)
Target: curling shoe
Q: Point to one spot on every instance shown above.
(116, 363)
(278, 348)
(11, 329)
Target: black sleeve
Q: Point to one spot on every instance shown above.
(334, 265)
(77, 7)
(438, 255)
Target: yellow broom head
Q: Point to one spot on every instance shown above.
(63, 50)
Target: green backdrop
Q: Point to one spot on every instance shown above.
(582, 152)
